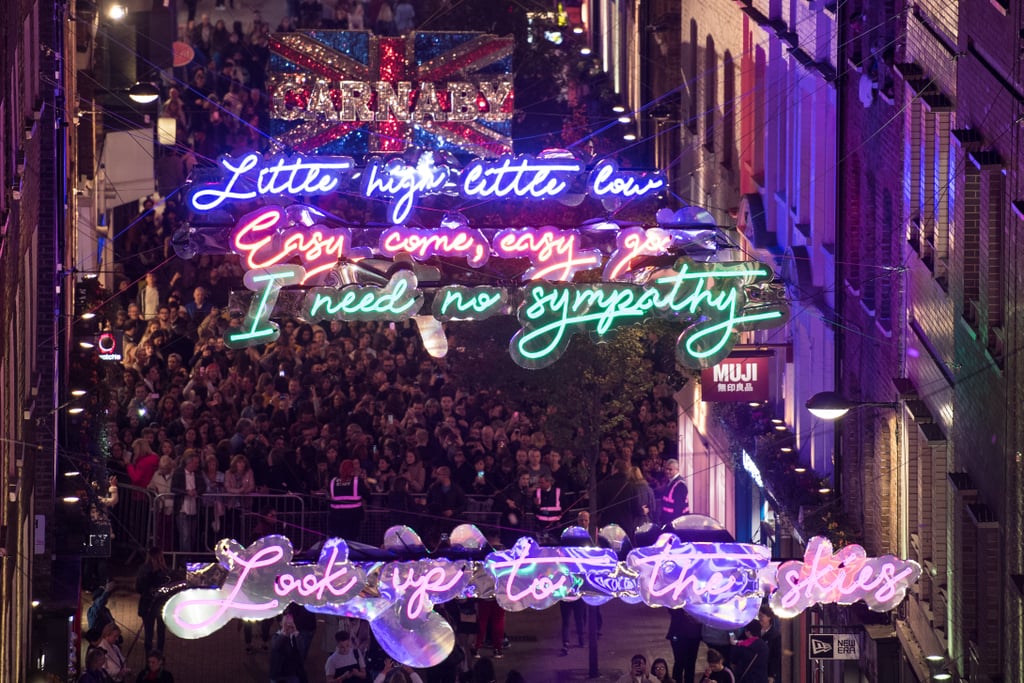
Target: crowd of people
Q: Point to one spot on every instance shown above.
(346, 411)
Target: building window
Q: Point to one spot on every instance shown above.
(692, 79)
(710, 93)
(728, 109)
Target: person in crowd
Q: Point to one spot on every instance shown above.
(547, 505)
(414, 472)
(716, 671)
(638, 672)
(346, 663)
(490, 621)
(115, 665)
(659, 671)
(405, 17)
(771, 635)
(99, 616)
(673, 499)
(212, 505)
(445, 500)
(240, 483)
(155, 671)
(643, 497)
(152, 575)
(286, 665)
(95, 661)
(684, 635)
(514, 501)
(305, 625)
(188, 486)
(615, 498)
(144, 463)
(750, 656)
(397, 673)
(346, 503)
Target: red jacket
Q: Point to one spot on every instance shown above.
(142, 471)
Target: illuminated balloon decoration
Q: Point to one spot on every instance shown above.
(720, 584)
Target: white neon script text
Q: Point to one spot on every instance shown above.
(295, 176)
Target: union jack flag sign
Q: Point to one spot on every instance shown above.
(354, 93)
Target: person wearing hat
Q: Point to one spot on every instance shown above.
(675, 497)
(346, 501)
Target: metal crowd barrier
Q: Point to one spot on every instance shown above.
(149, 519)
(223, 515)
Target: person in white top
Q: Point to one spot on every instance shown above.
(149, 298)
(115, 664)
(346, 663)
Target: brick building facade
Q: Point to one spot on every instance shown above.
(940, 475)
(31, 215)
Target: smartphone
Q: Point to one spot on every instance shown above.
(391, 419)
(480, 474)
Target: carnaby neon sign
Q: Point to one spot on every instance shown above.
(403, 184)
(721, 584)
(359, 93)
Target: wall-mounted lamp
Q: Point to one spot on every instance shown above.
(829, 405)
(144, 93)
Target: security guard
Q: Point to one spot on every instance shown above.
(547, 503)
(675, 497)
(346, 503)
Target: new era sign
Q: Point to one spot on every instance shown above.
(833, 646)
(737, 378)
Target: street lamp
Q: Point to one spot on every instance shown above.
(144, 93)
(829, 405)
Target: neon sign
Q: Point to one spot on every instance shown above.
(468, 303)
(273, 235)
(403, 182)
(555, 254)
(721, 584)
(278, 176)
(364, 94)
(548, 176)
(607, 180)
(454, 239)
(709, 296)
(842, 577)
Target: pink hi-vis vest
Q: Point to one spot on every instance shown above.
(342, 500)
(549, 513)
(669, 504)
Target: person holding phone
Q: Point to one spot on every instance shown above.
(346, 663)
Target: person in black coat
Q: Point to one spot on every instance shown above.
(771, 635)
(750, 656)
(286, 665)
(152, 575)
(684, 634)
(616, 498)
